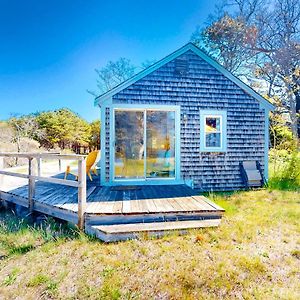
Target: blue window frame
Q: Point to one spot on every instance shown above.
(143, 107)
(213, 131)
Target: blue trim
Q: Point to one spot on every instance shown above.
(111, 143)
(265, 103)
(146, 182)
(133, 106)
(150, 181)
(266, 154)
(103, 136)
(223, 115)
(103, 107)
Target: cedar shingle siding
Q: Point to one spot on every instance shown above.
(199, 86)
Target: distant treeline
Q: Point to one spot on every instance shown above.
(59, 129)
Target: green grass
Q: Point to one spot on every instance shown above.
(253, 254)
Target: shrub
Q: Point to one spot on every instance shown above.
(285, 170)
(281, 138)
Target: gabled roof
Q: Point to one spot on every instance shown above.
(265, 103)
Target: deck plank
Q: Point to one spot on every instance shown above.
(90, 190)
(197, 204)
(203, 203)
(186, 203)
(134, 203)
(179, 206)
(107, 200)
(117, 207)
(149, 203)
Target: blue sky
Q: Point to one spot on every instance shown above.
(49, 49)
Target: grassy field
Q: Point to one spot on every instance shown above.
(254, 254)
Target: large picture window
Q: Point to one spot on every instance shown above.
(213, 131)
(145, 143)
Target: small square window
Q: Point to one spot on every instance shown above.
(213, 131)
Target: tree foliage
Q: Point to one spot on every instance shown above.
(95, 134)
(63, 128)
(260, 40)
(60, 128)
(224, 39)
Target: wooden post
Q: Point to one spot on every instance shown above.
(39, 166)
(1, 168)
(31, 184)
(81, 193)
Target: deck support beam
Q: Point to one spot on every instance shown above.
(81, 193)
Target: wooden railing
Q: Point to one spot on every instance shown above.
(38, 157)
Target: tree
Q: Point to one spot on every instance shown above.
(18, 134)
(278, 39)
(257, 39)
(24, 126)
(63, 128)
(95, 134)
(50, 129)
(114, 73)
(224, 40)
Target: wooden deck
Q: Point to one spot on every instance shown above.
(121, 205)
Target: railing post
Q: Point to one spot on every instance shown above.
(1, 168)
(81, 193)
(31, 184)
(59, 165)
(39, 166)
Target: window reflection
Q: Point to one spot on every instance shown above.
(129, 144)
(130, 161)
(213, 132)
(160, 160)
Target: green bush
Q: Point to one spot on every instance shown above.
(284, 170)
(281, 138)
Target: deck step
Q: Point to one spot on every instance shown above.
(92, 219)
(121, 232)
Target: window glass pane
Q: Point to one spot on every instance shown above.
(213, 140)
(212, 124)
(129, 144)
(160, 145)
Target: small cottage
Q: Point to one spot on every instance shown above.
(184, 119)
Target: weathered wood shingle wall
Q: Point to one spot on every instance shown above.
(203, 87)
